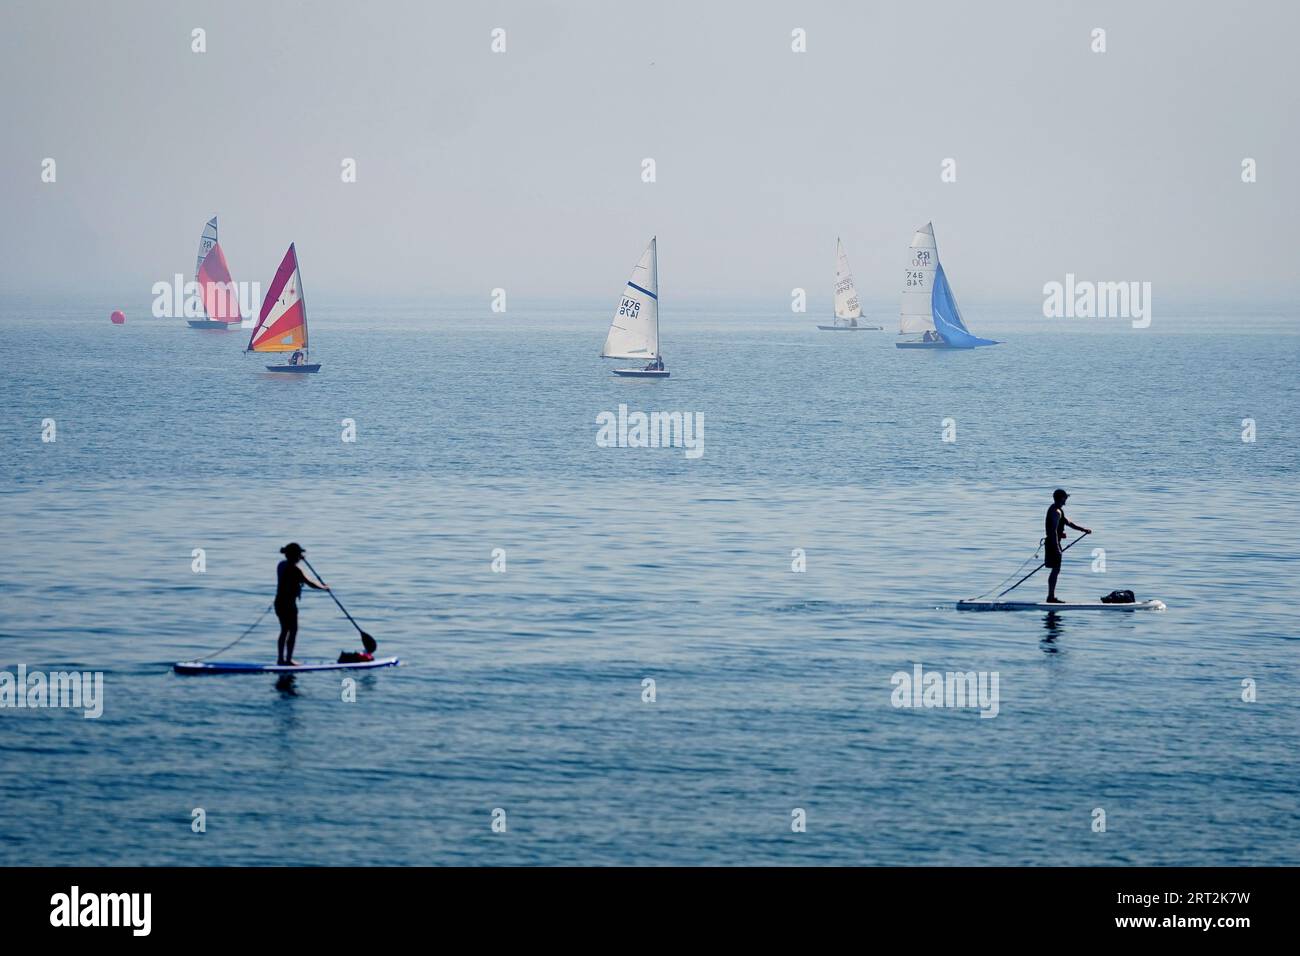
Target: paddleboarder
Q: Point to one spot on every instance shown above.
(289, 579)
(1055, 526)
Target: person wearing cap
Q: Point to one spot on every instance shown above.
(1055, 526)
(289, 579)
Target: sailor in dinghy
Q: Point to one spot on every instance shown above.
(217, 292)
(282, 324)
(929, 306)
(847, 307)
(634, 332)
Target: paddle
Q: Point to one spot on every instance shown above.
(1031, 573)
(368, 642)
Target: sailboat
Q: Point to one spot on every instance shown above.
(847, 308)
(634, 333)
(282, 324)
(929, 309)
(217, 290)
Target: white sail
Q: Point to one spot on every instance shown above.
(918, 284)
(206, 242)
(846, 294)
(634, 333)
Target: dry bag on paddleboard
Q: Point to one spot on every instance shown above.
(1119, 597)
(355, 657)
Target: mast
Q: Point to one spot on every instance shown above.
(302, 297)
(835, 294)
(654, 271)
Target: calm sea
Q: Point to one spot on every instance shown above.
(525, 690)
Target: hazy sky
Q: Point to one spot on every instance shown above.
(523, 169)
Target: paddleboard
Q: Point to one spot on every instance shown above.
(245, 667)
(1044, 606)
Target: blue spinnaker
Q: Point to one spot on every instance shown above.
(947, 317)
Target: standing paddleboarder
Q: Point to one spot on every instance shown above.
(1055, 526)
(289, 579)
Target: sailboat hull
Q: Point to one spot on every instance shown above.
(923, 345)
(211, 325)
(640, 372)
(851, 328)
(296, 369)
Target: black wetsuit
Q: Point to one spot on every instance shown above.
(288, 588)
(1052, 531)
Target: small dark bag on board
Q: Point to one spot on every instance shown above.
(1119, 597)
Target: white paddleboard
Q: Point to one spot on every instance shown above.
(1044, 606)
(245, 667)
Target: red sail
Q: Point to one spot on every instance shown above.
(282, 325)
(220, 298)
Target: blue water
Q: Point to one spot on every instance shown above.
(523, 690)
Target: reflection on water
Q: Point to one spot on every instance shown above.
(285, 685)
(1052, 625)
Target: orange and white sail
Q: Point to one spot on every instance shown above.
(282, 325)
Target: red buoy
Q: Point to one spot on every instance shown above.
(118, 317)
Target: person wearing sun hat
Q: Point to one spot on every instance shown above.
(289, 579)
